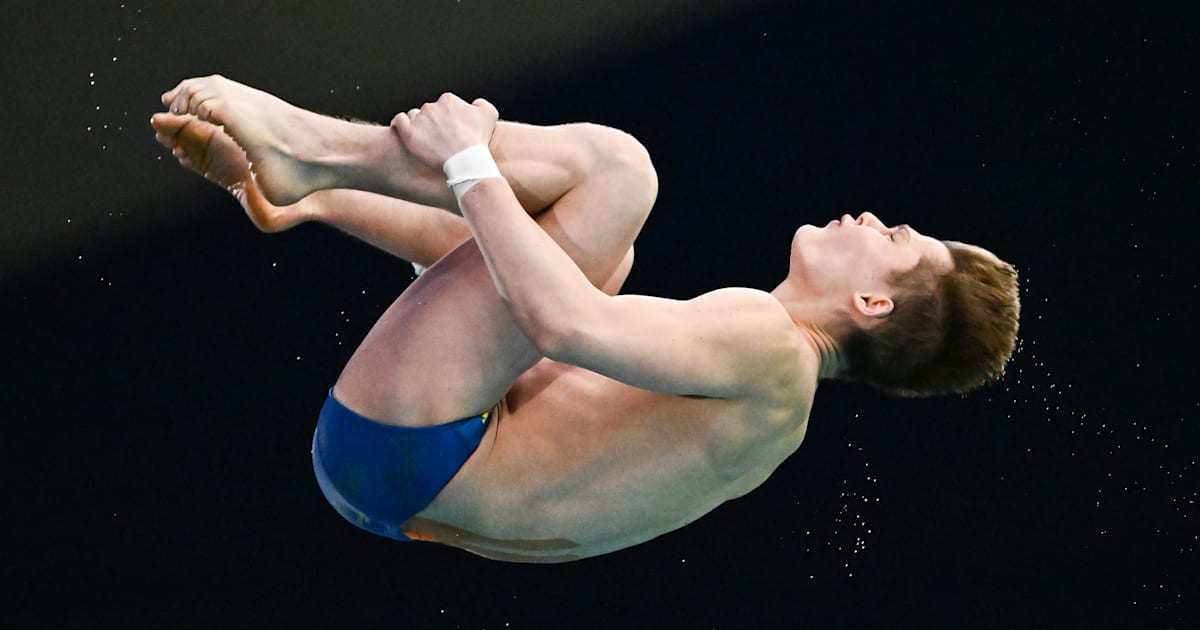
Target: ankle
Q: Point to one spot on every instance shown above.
(313, 207)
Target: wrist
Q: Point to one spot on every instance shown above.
(467, 167)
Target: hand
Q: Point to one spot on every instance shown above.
(437, 131)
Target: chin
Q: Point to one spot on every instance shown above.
(805, 252)
(806, 234)
(806, 238)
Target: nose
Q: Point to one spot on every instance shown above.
(869, 219)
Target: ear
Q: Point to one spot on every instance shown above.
(874, 305)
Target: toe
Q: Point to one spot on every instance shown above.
(183, 96)
(169, 123)
(171, 98)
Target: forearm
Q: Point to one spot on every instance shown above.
(539, 282)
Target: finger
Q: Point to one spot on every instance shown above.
(402, 124)
(486, 106)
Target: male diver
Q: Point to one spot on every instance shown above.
(510, 402)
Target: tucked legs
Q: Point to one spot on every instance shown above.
(447, 348)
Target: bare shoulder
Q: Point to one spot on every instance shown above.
(732, 344)
(783, 365)
(757, 308)
(752, 311)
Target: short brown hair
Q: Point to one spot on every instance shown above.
(948, 332)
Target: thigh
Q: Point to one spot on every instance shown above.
(447, 348)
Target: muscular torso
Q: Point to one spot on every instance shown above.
(577, 464)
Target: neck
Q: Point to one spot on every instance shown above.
(829, 354)
(808, 318)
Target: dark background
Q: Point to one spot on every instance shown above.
(164, 363)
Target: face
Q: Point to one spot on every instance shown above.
(858, 255)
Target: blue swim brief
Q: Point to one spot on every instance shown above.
(378, 476)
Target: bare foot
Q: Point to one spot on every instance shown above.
(287, 147)
(206, 149)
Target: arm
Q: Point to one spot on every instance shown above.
(725, 344)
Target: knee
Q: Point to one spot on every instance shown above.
(617, 280)
(619, 154)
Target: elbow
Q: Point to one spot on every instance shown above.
(550, 331)
(559, 329)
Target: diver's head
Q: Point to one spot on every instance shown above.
(909, 314)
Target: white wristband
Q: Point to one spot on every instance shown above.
(465, 168)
